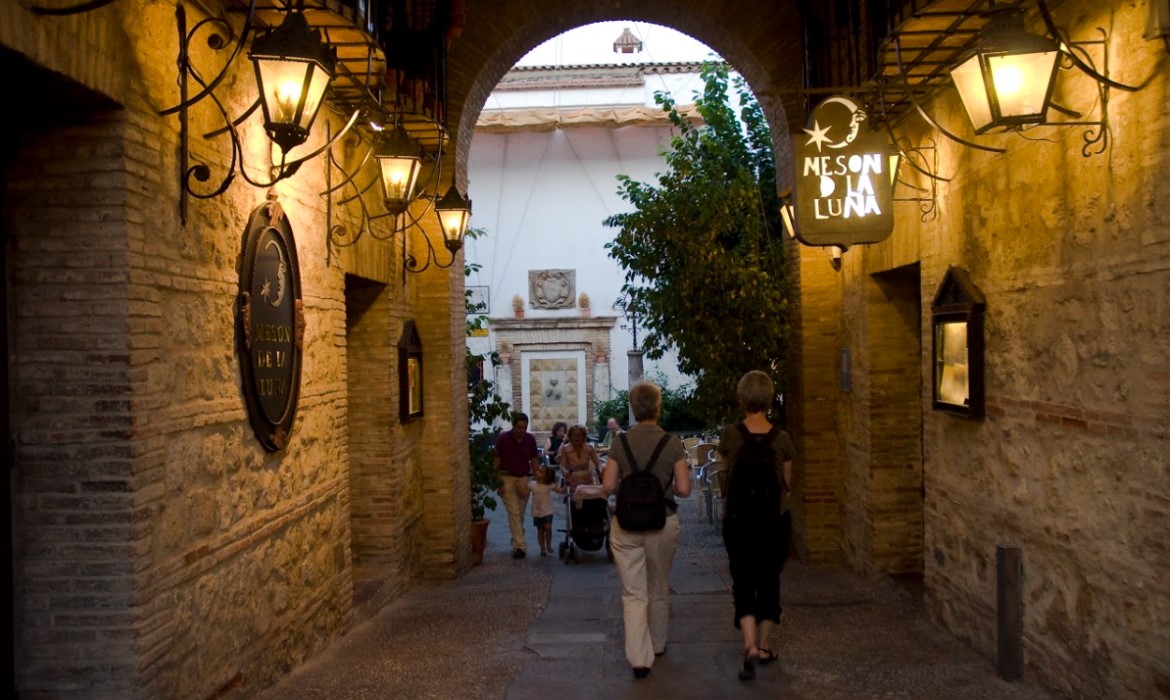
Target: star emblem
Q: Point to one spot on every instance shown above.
(817, 135)
(266, 289)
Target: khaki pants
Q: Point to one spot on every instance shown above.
(516, 502)
(643, 562)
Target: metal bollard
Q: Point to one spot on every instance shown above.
(1009, 601)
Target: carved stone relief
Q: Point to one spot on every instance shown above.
(552, 289)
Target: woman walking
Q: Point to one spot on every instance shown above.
(644, 557)
(757, 520)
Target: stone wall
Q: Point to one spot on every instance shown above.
(1071, 461)
(159, 550)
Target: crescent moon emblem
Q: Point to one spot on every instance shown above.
(857, 116)
(281, 276)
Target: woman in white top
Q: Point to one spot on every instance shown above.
(577, 459)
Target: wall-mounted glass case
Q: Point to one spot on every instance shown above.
(410, 374)
(957, 355)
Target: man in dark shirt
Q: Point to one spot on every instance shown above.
(516, 458)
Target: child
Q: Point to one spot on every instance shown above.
(542, 488)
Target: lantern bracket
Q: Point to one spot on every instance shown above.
(913, 99)
(913, 69)
(347, 200)
(218, 33)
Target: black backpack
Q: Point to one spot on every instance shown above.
(641, 500)
(753, 488)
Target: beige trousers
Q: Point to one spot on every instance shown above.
(643, 562)
(516, 502)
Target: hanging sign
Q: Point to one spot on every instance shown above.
(844, 183)
(271, 328)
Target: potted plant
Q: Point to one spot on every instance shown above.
(583, 302)
(518, 305)
(484, 407)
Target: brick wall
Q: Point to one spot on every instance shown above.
(160, 551)
(186, 562)
(880, 419)
(75, 530)
(895, 514)
(818, 516)
(385, 505)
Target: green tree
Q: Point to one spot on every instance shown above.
(703, 248)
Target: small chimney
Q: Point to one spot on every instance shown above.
(627, 43)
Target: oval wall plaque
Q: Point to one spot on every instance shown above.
(271, 326)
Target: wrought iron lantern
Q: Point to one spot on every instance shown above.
(1006, 82)
(399, 161)
(454, 211)
(293, 69)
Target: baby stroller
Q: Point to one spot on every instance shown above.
(587, 519)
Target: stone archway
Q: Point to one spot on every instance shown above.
(766, 48)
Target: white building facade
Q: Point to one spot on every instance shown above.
(543, 171)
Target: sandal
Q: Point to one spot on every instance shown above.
(748, 671)
(767, 656)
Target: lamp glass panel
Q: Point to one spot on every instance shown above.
(399, 177)
(292, 90)
(951, 378)
(968, 77)
(318, 82)
(282, 82)
(454, 223)
(1021, 82)
(788, 214)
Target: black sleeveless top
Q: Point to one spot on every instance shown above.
(554, 447)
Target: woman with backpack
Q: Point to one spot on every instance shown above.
(647, 468)
(757, 521)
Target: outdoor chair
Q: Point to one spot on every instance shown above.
(705, 483)
(712, 491)
(700, 454)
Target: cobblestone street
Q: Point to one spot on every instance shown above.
(536, 628)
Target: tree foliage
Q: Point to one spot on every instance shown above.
(703, 249)
(678, 410)
(484, 406)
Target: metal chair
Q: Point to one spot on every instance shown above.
(712, 491)
(707, 483)
(698, 455)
